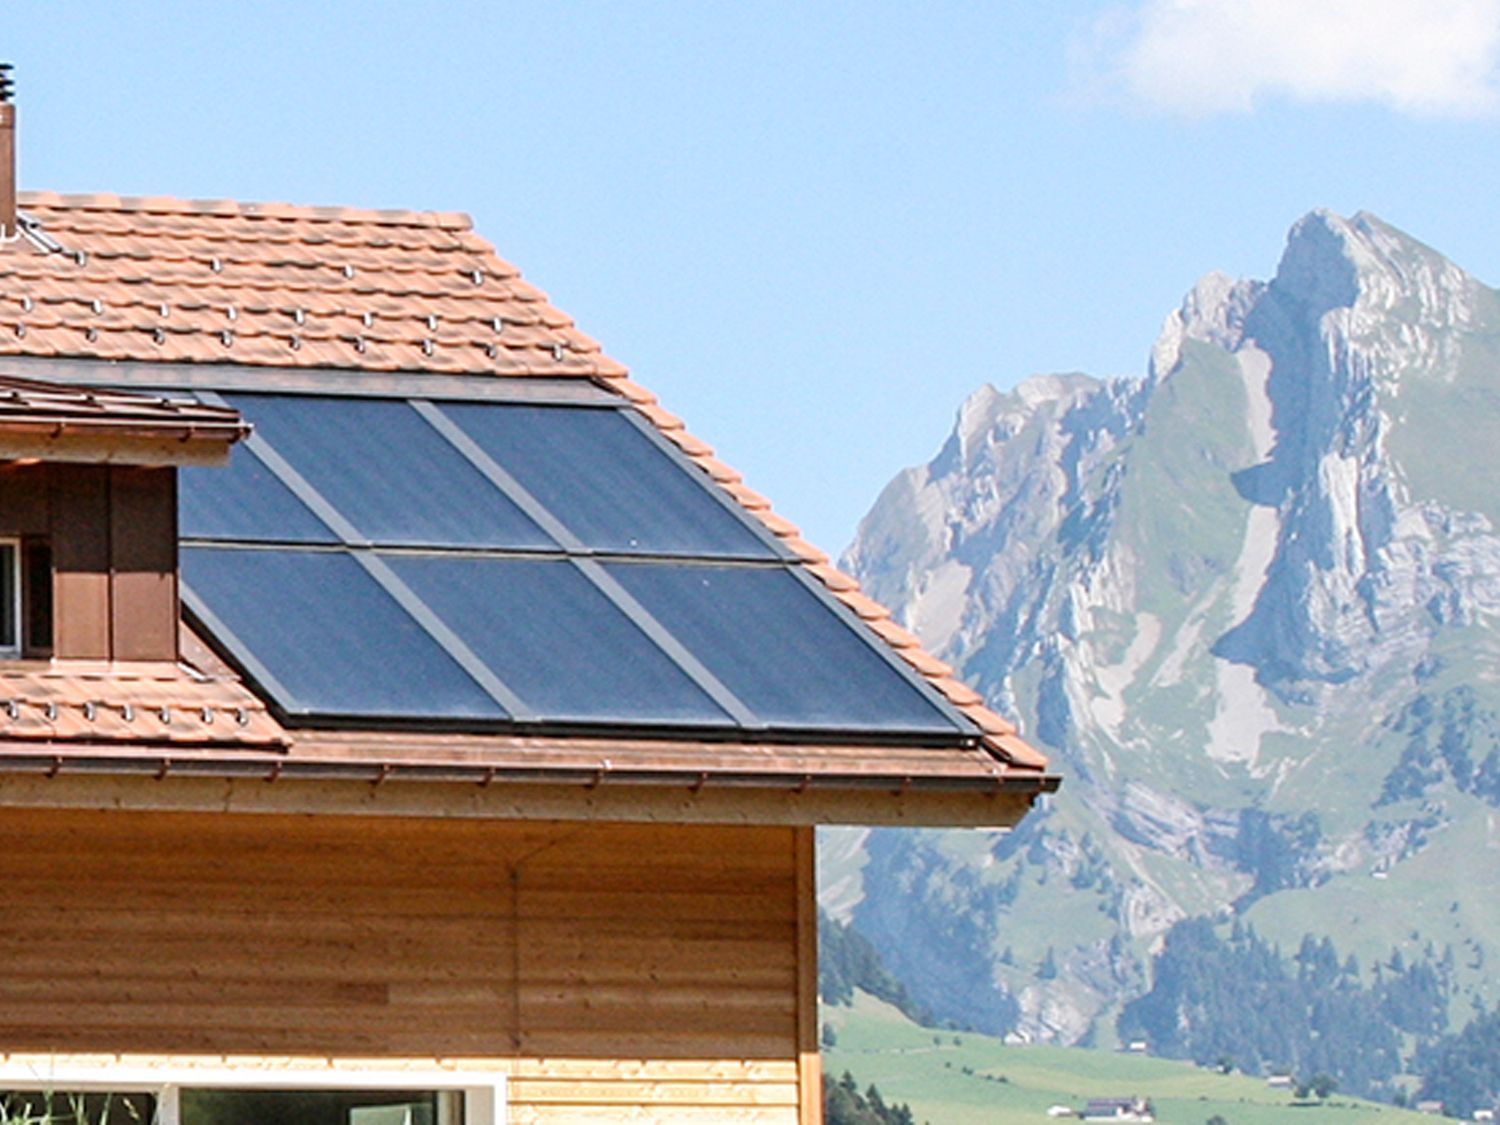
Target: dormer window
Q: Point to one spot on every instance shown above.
(25, 597)
(88, 517)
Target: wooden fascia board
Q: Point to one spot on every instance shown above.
(894, 806)
(115, 446)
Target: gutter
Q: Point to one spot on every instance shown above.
(161, 768)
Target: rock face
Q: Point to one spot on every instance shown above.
(1250, 603)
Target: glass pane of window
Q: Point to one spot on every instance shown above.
(784, 652)
(54, 1107)
(606, 481)
(309, 1107)
(336, 641)
(243, 501)
(38, 579)
(10, 584)
(556, 641)
(388, 472)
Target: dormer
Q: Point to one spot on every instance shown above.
(88, 517)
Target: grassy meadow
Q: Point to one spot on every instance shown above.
(959, 1078)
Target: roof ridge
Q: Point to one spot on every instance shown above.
(253, 209)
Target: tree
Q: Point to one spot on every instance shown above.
(843, 1104)
(830, 1036)
(1323, 1085)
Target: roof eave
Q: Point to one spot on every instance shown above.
(34, 777)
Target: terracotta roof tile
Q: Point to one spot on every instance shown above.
(146, 703)
(803, 549)
(121, 260)
(1011, 749)
(958, 693)
(832, 577)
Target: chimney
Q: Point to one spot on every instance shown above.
(8, 228)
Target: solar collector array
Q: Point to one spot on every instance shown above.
(502, 563)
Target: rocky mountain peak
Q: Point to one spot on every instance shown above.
(1366, 264)
(1225, 595)
(1213, 312)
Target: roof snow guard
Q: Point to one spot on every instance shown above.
(277, 306)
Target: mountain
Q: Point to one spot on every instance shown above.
(1251, 603)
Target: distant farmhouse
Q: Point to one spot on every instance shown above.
(1118, 1109)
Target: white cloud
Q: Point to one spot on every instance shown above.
(1196, 57)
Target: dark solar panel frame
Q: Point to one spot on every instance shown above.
(243, 607)
(588, 562)
(393, 478)
(696, 473)
(755, 541)
(841, 667)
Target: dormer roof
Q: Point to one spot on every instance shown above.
(58, 422)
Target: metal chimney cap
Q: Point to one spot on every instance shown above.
(7, 83)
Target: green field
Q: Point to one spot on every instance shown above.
(959, 1078)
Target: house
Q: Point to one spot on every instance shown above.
(1118, 1109)
(401, 716)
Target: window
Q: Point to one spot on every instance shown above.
(47, 1091)
(25, 597)
(10, 597)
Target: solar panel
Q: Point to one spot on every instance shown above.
(243, 501)
(332, 640)
(512, 563)
(388, 472)
(555, 640)
(780, 648)
(608, 482)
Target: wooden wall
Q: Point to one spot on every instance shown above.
(616, 972)
(113, 532)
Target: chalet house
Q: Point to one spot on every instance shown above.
(402, 718)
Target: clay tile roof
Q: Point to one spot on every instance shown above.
(158, 703)
(212, 281)
(284, 286)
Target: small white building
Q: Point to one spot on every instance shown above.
(1117, 1109)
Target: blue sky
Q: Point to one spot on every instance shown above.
(812, 229)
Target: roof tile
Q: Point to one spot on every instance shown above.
(152, 703)
(122, 257)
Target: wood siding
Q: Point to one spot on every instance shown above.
(113, 531)
(615, 971)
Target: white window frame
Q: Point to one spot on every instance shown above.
(484, 1095)
(13, 651)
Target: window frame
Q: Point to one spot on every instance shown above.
(16, 647)
(484, 1094)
